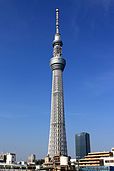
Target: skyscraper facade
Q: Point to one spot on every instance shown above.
(82, 141)
(57, 137)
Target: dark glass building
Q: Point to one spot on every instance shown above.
(82, 141)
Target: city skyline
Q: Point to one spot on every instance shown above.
(26, 35)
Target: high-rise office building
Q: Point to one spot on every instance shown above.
(82, 141)
(57, 137)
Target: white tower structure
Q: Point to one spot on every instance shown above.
(57, 137)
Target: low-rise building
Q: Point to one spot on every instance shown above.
(31, 159)
(95, 159)
(108, 161)
(10, 158)
(2, 158)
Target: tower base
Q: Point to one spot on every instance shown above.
(57, 163)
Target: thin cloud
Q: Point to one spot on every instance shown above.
(101, 84)
(106, 4)
(81, 12)
(12, 116)
(76, 114)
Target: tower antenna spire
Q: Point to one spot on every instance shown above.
(57, 20)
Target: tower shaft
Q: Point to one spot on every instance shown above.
(57, 137)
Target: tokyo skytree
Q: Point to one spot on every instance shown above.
(57, 137)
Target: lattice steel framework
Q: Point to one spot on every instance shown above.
(57, 137)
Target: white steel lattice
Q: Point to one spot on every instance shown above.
(57, 137)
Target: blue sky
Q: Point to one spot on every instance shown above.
(27, 30)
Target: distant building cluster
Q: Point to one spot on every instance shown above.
(8, 161)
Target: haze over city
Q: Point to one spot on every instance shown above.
(27, 31)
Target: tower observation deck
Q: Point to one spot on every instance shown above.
(57, 137)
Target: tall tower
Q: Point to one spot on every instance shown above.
(57, 138)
